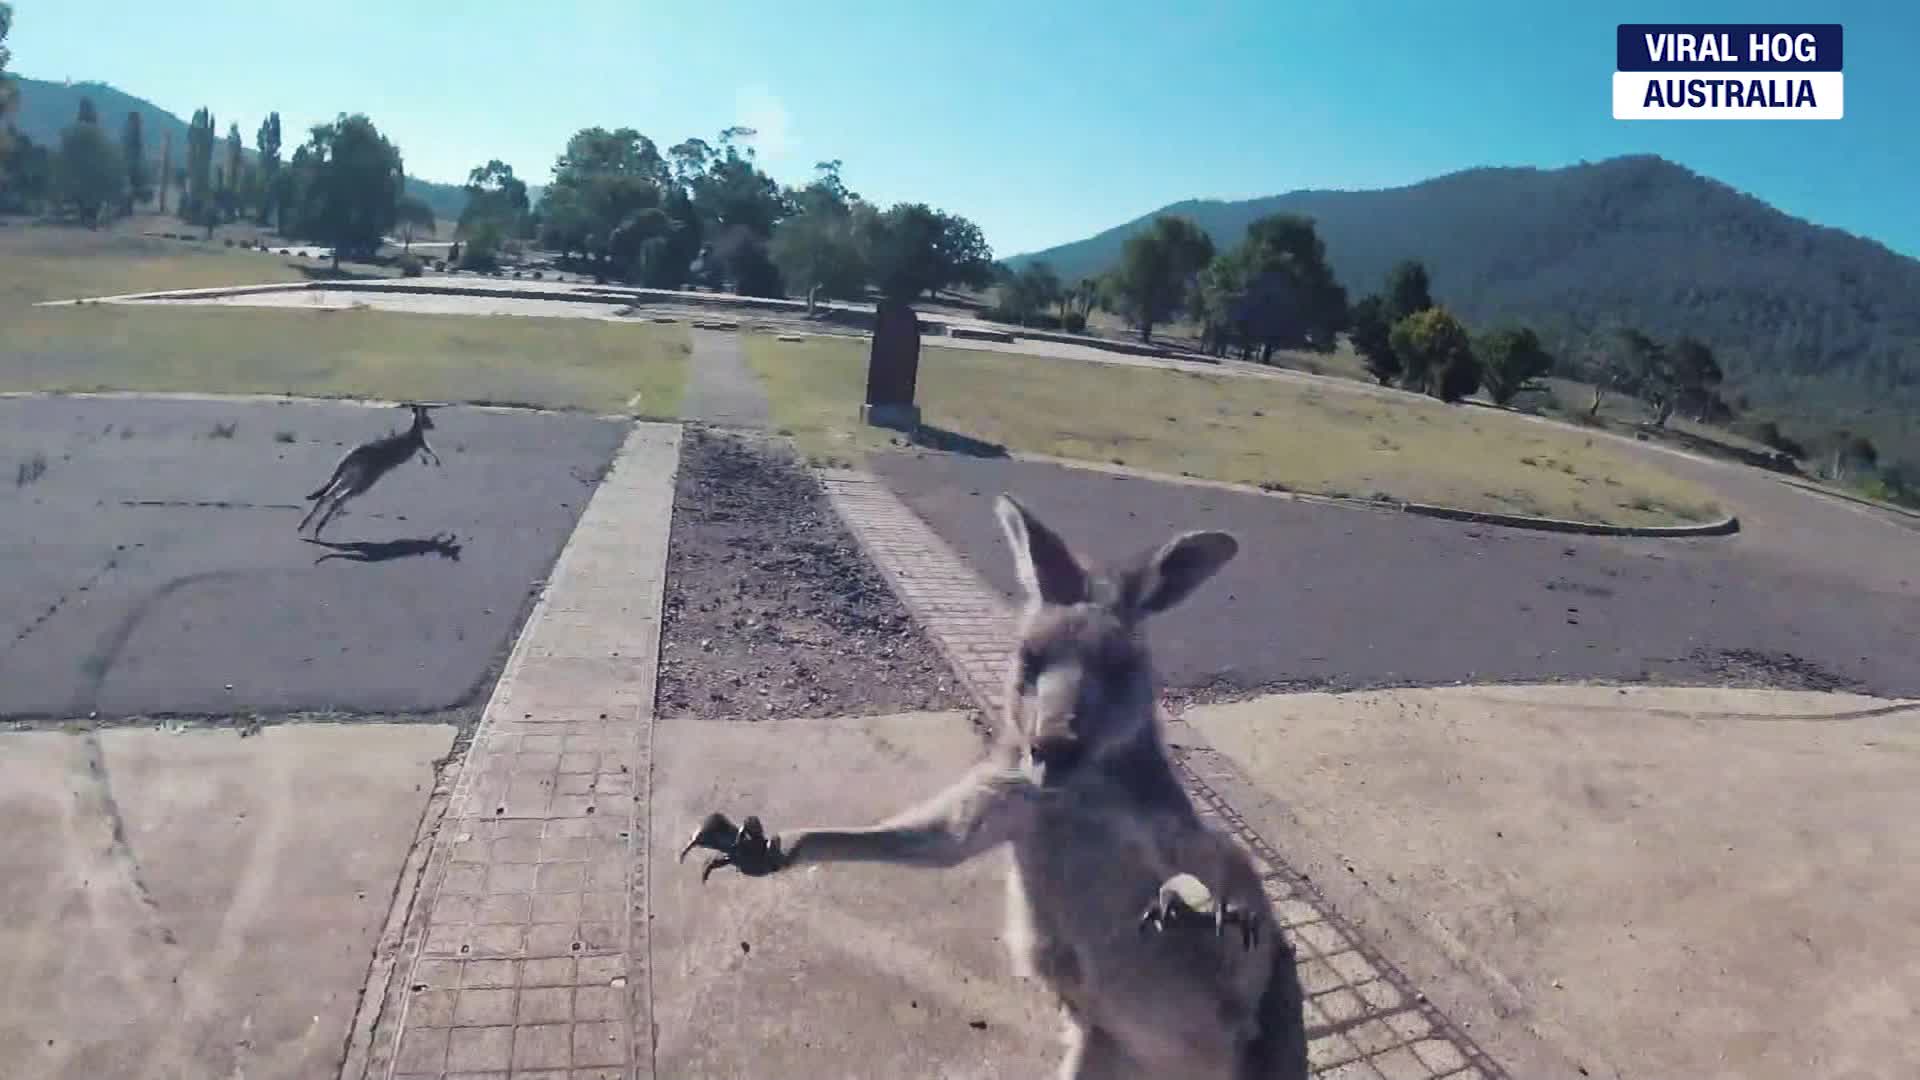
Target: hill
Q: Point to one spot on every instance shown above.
(1812, 323)
(46, 107)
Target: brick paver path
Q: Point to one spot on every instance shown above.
(1364, 1019)
(527, 957)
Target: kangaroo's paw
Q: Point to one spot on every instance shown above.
(745, 847)
(1185, 903)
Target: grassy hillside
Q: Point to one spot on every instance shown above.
(1815, 325)
(47, 107)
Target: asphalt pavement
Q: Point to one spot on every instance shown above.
(149, 562)
(1810, 595)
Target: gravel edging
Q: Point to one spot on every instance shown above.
(773, 611)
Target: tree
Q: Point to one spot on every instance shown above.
(1407, 290)
(962, 252)
(1435, 352)
(1156, 267)
(1642, 367)
(133, 151)
(1851, 453)
(1030, 292)
(827, 194)
(26, 175)
(495, 194)
(356, 181)
(817, 254)
(415, 218)
(196, 204)
(9, 93)
(88, 114)
(1274, 290)
(1510, 360)
(1695, 375)
(88, 174)
(912, 249)
(600, 180)
(1370, 333)
(166, 169)
(236, 163)
(267, 142)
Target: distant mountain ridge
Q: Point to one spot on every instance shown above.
(1799, 313)
(47, 107)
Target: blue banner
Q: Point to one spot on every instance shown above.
(1729, 47)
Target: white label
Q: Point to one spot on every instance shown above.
(1719, 95)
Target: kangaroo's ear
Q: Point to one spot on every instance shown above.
(1166, 576)
(1048, 570)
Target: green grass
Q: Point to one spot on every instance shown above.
(550, 363)
(1327, 439)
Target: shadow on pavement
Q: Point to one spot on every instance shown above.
(368, 551)
(938, 438)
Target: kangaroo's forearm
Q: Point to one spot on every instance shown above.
(984, 810)
(928, 847)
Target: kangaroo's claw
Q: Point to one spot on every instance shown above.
(1185, 902)
(745, 847)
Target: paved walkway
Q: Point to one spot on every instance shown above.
(1364, 1018)
(525, 950)
(721, 389)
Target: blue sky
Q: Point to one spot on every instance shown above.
(1044, 122)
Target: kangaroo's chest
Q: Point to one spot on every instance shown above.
(1080, 885)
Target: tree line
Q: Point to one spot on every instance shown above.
(705, 213)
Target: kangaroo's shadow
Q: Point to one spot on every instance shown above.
(367, 551)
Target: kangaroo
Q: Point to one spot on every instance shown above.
(367, 463)
(1112, 868)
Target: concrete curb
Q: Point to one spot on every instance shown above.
(1725, 527)
(1860, 500)
(184, 294)
(297, 399)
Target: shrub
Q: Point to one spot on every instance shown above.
(410, 266)
(1513, 358)
(229, 241)
(1436, 354)
(1076, 323)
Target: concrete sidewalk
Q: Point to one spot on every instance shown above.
(525, 942)
(182, 905)
(1641, 881)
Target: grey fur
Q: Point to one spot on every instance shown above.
(1080, 784)
(367, 463)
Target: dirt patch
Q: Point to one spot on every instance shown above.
(772, 611)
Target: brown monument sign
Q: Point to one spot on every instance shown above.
(893, 368)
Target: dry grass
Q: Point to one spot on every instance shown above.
(52, 263)
(1323, 438)
(551, 363)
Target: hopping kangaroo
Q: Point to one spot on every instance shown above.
(367, 463)
(1119, 897)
